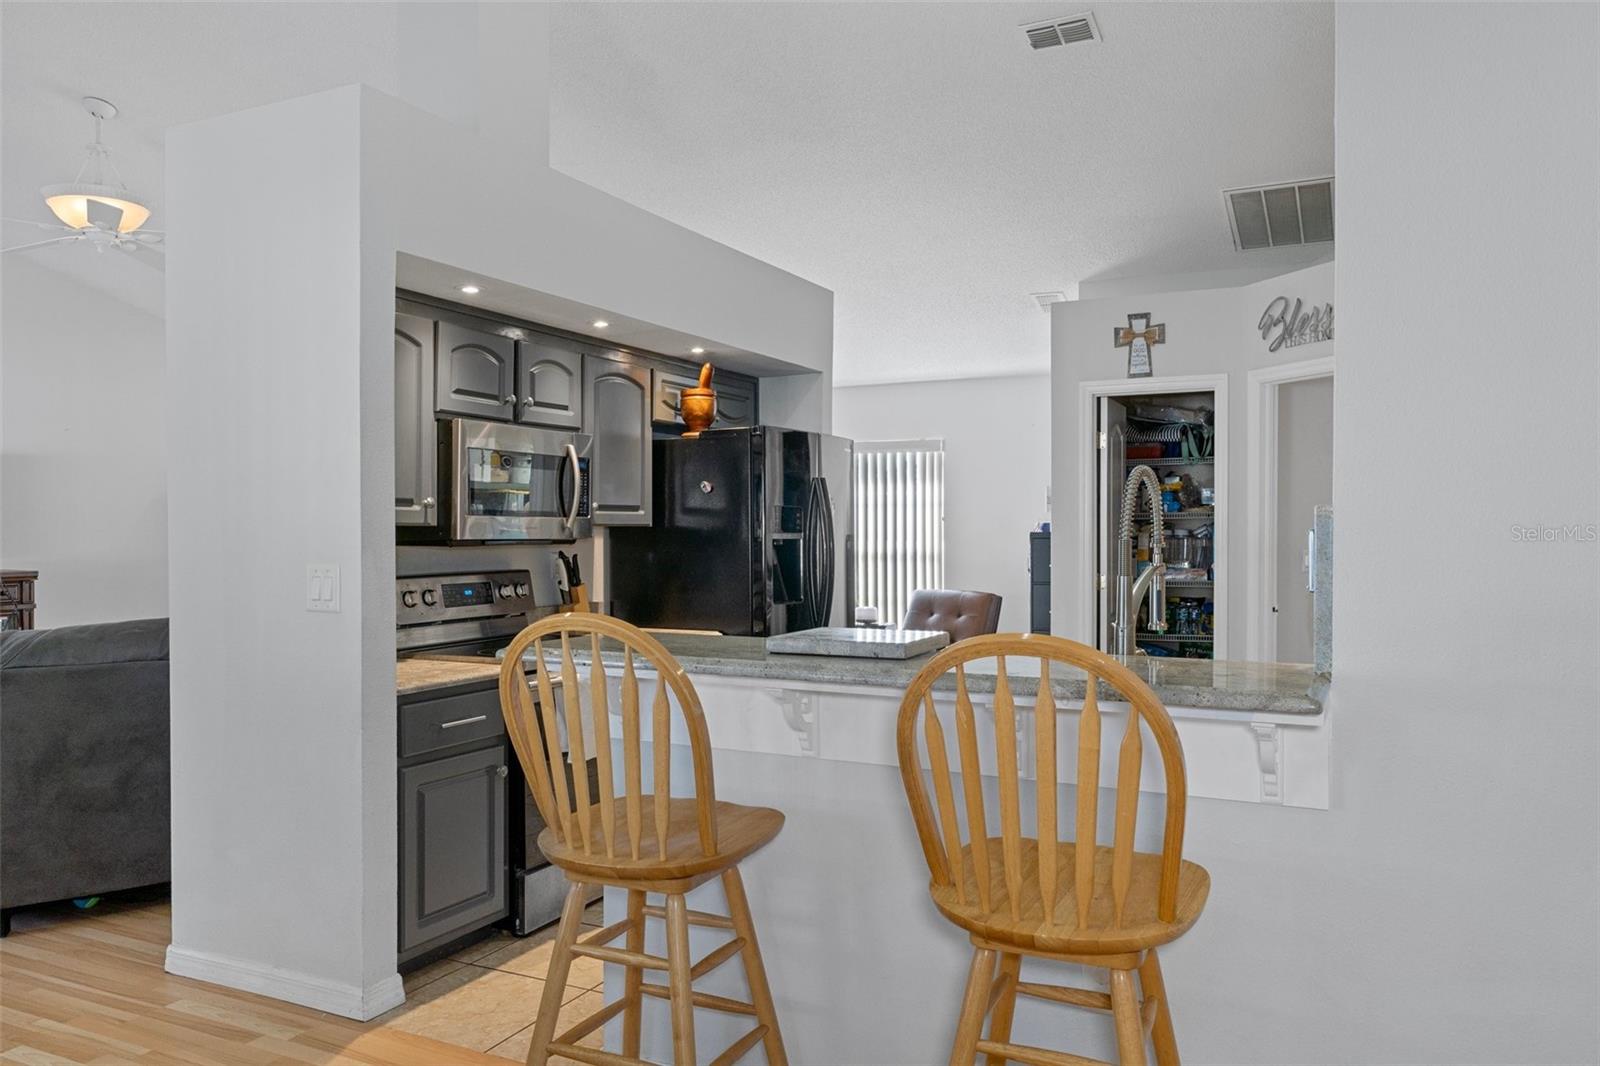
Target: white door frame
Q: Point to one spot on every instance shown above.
(1261, 515)
(1089, 393)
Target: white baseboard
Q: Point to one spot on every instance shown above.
(345, 1000)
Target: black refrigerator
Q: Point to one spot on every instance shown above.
(752, 536)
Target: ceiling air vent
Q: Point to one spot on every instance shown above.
(1053, 32)
(1045, 299)
(1273, 216)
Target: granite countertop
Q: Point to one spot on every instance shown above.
(1275, 688)
(420, 673)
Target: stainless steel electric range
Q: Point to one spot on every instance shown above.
(469, 855)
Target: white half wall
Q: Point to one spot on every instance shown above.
(996, 434)
(82, 446)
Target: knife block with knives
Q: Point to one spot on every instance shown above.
(573, 594)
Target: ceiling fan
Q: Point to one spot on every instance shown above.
(95, 207)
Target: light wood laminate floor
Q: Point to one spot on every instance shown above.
(87, 987)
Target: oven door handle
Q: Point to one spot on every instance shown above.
(577, 486)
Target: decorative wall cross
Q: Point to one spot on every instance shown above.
(1137, 336)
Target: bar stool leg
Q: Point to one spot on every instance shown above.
(679, 981)
(1151, 983)
(1000, 1022)
(1125, 1009)
(755, 972)
(555, 979)
(633, 976)
(974, 1005)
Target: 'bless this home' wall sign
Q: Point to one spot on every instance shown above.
(1283, 326)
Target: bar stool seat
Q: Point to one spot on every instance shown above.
(740, 831)
(1141, 926)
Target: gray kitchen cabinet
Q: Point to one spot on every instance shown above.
(416, 471)
(736, 398)
(477, 373)
(549, 383)
(736, 404)
(616, 412)
(453, 872)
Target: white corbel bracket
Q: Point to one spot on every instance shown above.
(800, 715)
(1269, 757)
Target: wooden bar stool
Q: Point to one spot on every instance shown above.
(639, 841)
(1070, 901)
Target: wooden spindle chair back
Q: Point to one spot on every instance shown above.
(962, 859)
(576, 815)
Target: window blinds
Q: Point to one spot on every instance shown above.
(899, 530)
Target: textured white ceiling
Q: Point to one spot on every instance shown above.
(918, 159)
(162, 64)
(921, 161)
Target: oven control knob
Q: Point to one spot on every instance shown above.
(522, 588)
(408, 598)
(505, 592)
(429, 598)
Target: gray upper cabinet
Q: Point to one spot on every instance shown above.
(550, 383)
(616, 411)
(736, 398)
(416, 473)
(477, 373)
(736, 404)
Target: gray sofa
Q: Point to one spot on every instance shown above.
(85, 767)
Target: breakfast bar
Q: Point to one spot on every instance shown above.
(840, 896)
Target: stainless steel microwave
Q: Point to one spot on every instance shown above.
(501, 482)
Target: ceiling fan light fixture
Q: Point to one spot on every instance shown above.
(79, 205)
(97, 196)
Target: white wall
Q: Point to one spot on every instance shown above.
(1444, 909)
(82, 449)
(1305, 482)
(996, 469)
(1210, 332)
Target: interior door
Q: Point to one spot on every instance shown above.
(416, 467)
(477, 373)
(1112, 441)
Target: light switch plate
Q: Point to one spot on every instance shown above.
(322, 588)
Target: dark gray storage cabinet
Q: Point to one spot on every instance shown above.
(454, 860)
(550, 383)
(736, 398)
(477, 373)
(416, 471)
(1039, 581)
(616, 412)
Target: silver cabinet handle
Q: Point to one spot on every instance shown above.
(512, 398)
(464, 721)
(428, 503)
(528, 402)
(502, 771)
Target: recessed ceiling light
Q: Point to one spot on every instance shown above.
(697, 351)
(470, 290)
(601, 323)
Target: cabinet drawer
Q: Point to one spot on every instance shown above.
(448, 721)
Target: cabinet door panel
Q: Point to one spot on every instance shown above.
(416, 471)
(477, 373)
(736, 405)
(453, 875)
(549, 384)
(616, 403)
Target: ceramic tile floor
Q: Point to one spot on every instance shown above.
(485, 997)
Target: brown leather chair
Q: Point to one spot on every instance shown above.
(961, 614)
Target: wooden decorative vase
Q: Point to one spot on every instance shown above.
(698, 405)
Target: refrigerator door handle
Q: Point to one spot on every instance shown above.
(818, 534)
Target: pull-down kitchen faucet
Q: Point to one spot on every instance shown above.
(1154, 578)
